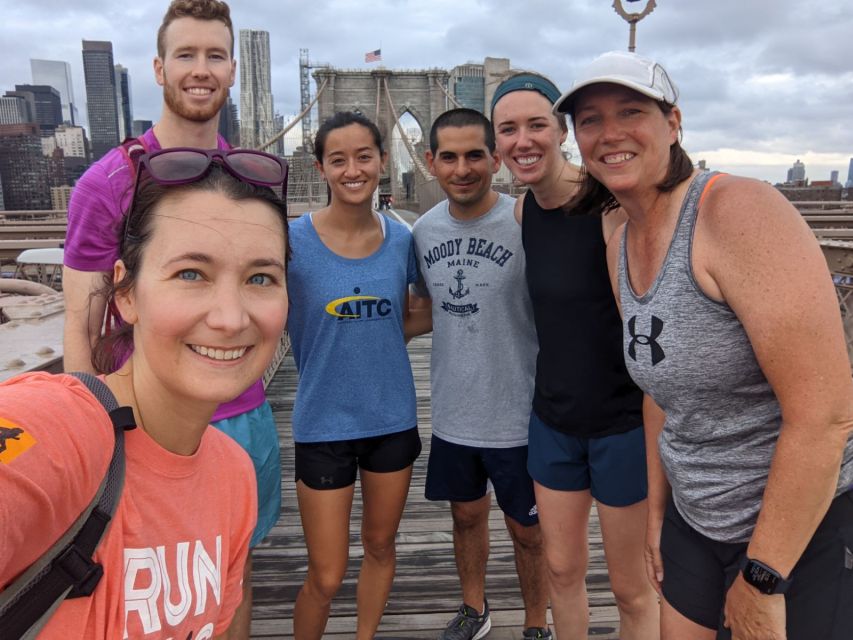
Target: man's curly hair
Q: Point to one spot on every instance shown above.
(199, 9)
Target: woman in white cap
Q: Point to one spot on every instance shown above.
(732, 327)
(586, 435)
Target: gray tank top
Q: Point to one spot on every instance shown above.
(692, 355)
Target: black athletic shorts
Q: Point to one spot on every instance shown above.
(459, 473)
(698, 571)
(333, 465)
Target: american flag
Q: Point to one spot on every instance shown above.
(373, 56)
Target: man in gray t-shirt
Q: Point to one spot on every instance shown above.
(483, 363)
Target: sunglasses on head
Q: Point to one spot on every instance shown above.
(184, 165)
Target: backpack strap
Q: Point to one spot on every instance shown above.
(131, 149)
(66, 569)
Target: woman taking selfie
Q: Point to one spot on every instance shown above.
(201, 286)
(354, 413)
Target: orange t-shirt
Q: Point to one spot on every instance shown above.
(173, 555)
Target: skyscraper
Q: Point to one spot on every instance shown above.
(229, 125)
(23, 168)
(101, 104)
(57, 74)
(123, 102)
(72, 141)
(797, 173)
(15, 110)
(46, 102)
(849, 182)
(257, 124)
(138, 127)
(472, 85)
(75, 147)
(468, 86)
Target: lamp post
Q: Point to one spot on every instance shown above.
(632, 18)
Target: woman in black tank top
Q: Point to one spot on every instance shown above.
(753, 515)
(585, 439)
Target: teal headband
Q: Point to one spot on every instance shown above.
(526, 82)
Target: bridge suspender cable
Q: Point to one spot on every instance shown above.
(296, 120)
(447, 93)
(415, 160)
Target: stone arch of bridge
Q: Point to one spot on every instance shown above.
(384, 95)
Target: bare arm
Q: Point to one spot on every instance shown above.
(84, 316)
(653, 421)
(754, 251)
(518, 210)
(658, 492)
(776, 280)
(418, 318)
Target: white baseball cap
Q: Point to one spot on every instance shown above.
(627, 69)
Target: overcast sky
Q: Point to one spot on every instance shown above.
(762, 82)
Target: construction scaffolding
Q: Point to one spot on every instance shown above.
(305, 95)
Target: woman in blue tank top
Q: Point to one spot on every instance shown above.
(586, 433)
(354, 412)
(732, 327)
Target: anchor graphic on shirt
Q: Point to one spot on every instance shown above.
(459, 293)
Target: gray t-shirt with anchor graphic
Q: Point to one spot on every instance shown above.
(484, 340)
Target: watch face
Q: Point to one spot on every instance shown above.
(760, 577)
(766, 579)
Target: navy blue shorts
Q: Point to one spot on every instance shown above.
(459, 473)
(334, 465)
(698, 571)
(613, 468)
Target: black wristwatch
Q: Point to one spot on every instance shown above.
(767, 580)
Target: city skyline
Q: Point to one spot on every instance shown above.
(756, 94)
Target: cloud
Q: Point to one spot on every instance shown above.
(760, 76)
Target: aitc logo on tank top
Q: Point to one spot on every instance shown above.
(359, 307)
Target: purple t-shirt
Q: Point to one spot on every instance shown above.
(95, 211)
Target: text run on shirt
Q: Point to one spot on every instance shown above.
(147, 584)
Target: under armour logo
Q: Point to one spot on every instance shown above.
(327, 479)
(639, 338)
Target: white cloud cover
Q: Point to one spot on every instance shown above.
(762, 82)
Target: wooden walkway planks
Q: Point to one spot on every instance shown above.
(426, 589)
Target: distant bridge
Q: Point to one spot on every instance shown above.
(384, 96)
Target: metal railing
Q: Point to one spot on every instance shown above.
(839, 258)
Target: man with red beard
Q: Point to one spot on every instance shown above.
(195, 66)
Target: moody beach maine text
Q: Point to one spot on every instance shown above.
(753, 96)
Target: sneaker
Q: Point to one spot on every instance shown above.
(536, 632)
(468, 624)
